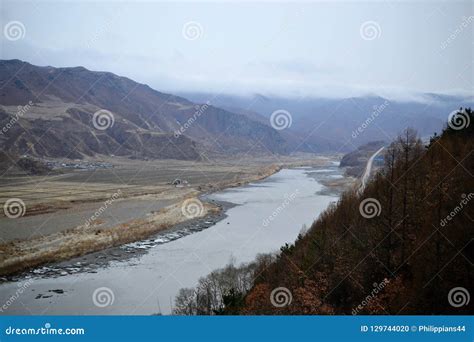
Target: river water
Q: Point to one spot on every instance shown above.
(267, 215)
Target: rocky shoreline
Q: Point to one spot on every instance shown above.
(89, 263)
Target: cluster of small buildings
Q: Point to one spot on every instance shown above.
(80, 165)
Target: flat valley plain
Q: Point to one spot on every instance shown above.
(142, 200)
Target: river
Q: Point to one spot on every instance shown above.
(267, 215)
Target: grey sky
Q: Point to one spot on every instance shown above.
(302, 47)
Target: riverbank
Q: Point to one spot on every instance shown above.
(146, 276)
(21, 255)
(94, 260)
(26, 254)
(118, 224)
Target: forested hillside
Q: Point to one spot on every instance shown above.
(403, 246)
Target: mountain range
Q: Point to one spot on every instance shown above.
(56, 118)
(343, 124)
(58, 112)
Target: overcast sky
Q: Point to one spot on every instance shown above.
(307, 47)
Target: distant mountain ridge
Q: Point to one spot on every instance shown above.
(151, 124)
(145, 123)
(343, 124)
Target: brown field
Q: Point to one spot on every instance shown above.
(137, 177)
(58, 206)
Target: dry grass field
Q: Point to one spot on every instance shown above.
(57, 207)
(134, 178)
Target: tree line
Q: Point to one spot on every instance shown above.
(410, 230)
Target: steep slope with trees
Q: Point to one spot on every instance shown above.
(402, 246)
(410, 230)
